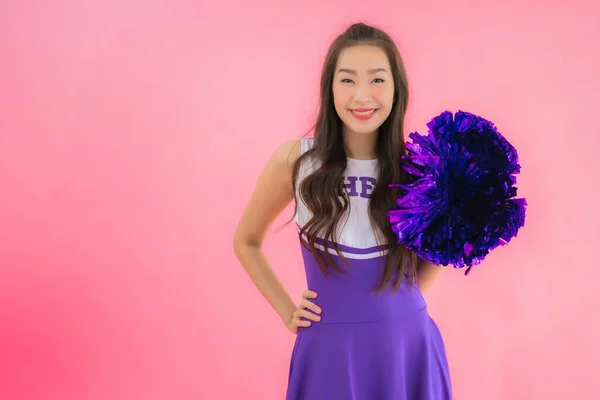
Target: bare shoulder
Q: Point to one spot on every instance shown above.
(287, 153)
(272, 193)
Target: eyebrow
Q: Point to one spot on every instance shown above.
(371, 71)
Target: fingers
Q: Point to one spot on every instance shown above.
(302, 323)
(311, 306)
(304, 318)
(307, 310)
(308, 315)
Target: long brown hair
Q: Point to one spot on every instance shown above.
(323, 192)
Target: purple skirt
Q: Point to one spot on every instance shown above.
(367, 346)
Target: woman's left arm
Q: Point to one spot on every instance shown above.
(427, 275)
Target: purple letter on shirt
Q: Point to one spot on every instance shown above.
(367, 185)
(351, 186)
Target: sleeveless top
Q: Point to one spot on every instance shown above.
(356, 236)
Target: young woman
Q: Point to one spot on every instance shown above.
(363, 330)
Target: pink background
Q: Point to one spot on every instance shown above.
(132, 132)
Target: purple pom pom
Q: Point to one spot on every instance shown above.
(460, 204)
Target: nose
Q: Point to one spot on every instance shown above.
(362, 94)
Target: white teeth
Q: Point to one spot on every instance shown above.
(363, 112)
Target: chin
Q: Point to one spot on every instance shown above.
(363, 129)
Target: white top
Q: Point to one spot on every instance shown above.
(355, 232)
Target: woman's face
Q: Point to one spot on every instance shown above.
(363, 88)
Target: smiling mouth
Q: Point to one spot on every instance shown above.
(363, 110)
(363, 113)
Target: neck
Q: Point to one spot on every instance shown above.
(360, 146)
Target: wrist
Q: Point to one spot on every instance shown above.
(288, 315)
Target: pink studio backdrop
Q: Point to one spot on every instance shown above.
(132, 133)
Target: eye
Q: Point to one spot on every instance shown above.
(378, 79)
(346, 80)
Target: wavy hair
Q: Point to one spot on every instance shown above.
(323, 191)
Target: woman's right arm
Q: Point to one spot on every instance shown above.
(272, 194)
